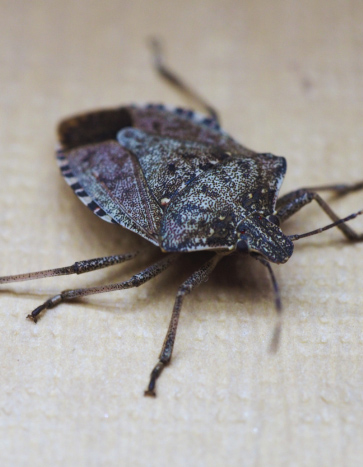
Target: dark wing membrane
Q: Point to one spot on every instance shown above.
(98, 126)
(93, 127)
(112, 178)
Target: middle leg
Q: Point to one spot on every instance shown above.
(194, 280)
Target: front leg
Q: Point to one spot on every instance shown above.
(294, 201)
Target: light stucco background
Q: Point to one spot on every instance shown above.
(287, 77)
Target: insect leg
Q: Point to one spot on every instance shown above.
(340, 189)
(79, 267)
(290, 198)
(194, 280)
(135, 281)
(173, 79)
(294, 201)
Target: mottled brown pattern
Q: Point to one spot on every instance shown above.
(169, 165)
(174, 178)
(112, 177)
(265, 237)
(206, 214)
(166, 123)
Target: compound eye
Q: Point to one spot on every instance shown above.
(242, 246)
(274, 220)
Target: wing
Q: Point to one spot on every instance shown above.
(123, 188)
(109, 180)
(98, 126)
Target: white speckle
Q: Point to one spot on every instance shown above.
(71, 180)
(165, 201)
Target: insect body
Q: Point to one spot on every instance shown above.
(177, 181)
(175, 178)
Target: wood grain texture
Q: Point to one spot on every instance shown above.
(287, 78)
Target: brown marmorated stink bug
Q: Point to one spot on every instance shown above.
(175, 178)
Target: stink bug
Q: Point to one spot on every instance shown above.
(178, 180)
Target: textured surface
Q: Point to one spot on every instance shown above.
(286, 78)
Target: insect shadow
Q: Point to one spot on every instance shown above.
(179, 181)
